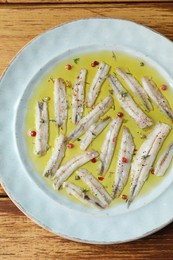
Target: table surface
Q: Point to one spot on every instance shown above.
(21, 21)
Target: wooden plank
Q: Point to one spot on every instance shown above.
(80, 1)
(2, 192)
(22, 239)
(31, 20)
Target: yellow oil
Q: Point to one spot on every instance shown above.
(44, 89)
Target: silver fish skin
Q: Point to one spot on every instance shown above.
(41, 125)
(96, 188)
(128, 104)
(97, 82)
(164, 161)
(108, 145)
(123, 168)
(84, 197)
(135, 87)
(78, 96)
(93, 132)
(157, 97)
(69, 167)
(60, 103)
(56, 157)
(83, 125)
(145, 157)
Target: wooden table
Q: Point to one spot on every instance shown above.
(20, 22)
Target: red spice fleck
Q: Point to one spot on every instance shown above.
(93, 160)
(94, 63)
(32, 133)
(114, 139)
(100, 178)
(68, 67)
(152, 171)
(124, 160)
(163, 87)
(120, 114)
(70, 145)
(124, 196)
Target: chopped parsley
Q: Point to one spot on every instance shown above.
(76, 60)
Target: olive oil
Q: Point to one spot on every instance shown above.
(44, 89)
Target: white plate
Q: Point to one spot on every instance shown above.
(26, 189)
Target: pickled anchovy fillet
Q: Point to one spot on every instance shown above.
(164, 161)
(109, 145)
(78, 96)
(93, 132)
(96, 188)
(69, 167)
(145, 157)
(97, 82)
(91, 118)
(83, 196)
(56, 157)
(128, 104)
(123, 167)
(157, 97)
(138, 91)
(41, 125)
(60, 103)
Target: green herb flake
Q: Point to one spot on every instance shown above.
(114, 56)
(144, 157)
(76, 61)
(123, 94)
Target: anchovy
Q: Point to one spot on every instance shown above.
(78, 96)
(81, 195)
(56, 157)
(97, 82)
(91, 118)
(60, 103)
(41, 125)
(157, 97)
(135, 87)
(96, 188)
(123, 167)
(109, 145)
(145, 157)
(93, 132)
(69, 167)
(128, 104)
(164, 161)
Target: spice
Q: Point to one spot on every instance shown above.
(93, 160)
(100, 178)
(32, 133)
(77, 177)
(124, 159)
(94, 63)
(163, 87)
(70, 145)
(152, 171)
(120, 114)
(113, 139)
(124, 196)
(68, 67)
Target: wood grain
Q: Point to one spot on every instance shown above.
(2, 192)
(31, 20)
(80, 1)
(20, 22)
(27, 237)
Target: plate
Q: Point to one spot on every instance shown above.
(26, 189)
